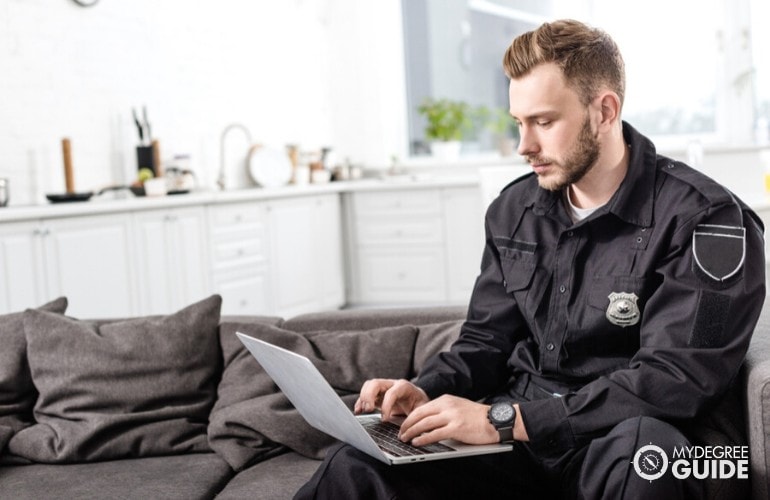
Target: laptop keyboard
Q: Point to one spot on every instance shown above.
(385, 434)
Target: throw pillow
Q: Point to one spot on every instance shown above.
(17, 393)
(132, 388)
(433, 339)
(252, 419)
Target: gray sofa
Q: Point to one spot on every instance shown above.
(251, 443)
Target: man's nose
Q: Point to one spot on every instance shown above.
(527, 143)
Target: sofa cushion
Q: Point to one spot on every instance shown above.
(251, 418)
(279, 477)
(131, 388)
(17, 393)
(432, 339)
(191, 476)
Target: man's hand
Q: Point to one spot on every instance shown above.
(449, 417)
(393, 397)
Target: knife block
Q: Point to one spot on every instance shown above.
(145, 158)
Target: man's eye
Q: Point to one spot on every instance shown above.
(544, 123)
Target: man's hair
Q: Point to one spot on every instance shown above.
(587, 56)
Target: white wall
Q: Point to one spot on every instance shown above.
(311, 72)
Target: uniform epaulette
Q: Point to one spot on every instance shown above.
(714, 192)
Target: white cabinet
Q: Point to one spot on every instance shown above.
(331, 271)
(239, 257)
(88, 259)
(271, 255)
(281, 257)
(414, 245)
(306, 271)
(22, 272)
(172, 258)
(463, 217)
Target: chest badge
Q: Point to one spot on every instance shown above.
(623, 309)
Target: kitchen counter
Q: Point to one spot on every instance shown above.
(109, 203)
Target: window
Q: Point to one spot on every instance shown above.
(689, 65)
(672, 62)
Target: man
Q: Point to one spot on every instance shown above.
(617, 297)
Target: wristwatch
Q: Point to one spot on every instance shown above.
(503, 416)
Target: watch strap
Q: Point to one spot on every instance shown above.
(506, 434)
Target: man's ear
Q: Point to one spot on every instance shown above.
(610, 110)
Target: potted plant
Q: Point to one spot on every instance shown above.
(504, 128)
(447, 122)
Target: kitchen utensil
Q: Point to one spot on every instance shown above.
(156, 163)
(139, 127)
(269, 167)
(69, 178)
(146, 159)
(67, 197)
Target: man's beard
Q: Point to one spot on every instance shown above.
(575, 165)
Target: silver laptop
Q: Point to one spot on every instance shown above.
(317, 402)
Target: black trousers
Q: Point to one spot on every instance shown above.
(603, 469)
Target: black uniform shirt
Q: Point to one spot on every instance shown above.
(646, 307)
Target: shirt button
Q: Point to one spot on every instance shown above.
(549, 346)
(570, 233)
(562, 289)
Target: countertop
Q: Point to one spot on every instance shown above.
(125, 201)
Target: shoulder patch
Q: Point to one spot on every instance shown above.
(718, 251)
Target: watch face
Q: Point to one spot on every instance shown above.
(501, 412)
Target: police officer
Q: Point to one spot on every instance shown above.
(617, 296)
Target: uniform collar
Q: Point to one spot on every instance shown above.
(633, 201)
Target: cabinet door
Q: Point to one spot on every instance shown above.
(189, 258)
(398, 247)
(244, 294)
(294, 257)
(464, 241)
(402, 276)
(306, 271)
(172, 259)
(22, 280)
(331, 274)
(89, 260)
(239, 257)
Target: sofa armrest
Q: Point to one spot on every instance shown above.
(756, 372)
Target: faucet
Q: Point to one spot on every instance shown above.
(222, 176)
